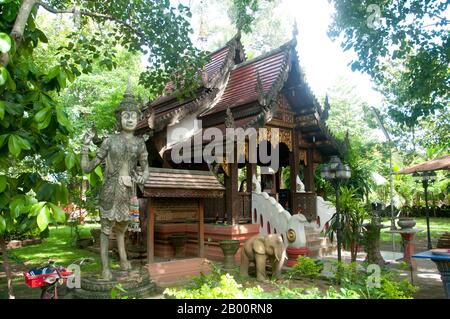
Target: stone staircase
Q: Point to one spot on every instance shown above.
(319, 246)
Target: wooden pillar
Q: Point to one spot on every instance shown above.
(309, 171)
(294, 161)
(201, 228)
(150, 230)
(232, 202)
(251, 170)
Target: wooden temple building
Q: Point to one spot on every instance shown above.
(269, 91)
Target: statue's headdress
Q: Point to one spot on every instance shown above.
(129, 103)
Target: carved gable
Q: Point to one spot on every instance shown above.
(283, 115)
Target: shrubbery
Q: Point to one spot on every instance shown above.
(305, 267)
(351, 281)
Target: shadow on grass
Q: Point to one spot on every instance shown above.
(59, 246)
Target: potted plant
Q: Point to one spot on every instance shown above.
(352, 216)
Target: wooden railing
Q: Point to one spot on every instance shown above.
(215, 207)
(306, 205)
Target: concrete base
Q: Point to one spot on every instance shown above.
(177, 271)
(136, 283)
(213, 235)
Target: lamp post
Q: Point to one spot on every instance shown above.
(335, 172)
(426, 178)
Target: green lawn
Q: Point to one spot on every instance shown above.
(438, 226)
(59, 246)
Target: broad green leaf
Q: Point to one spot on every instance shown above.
(10, 84)
(58, 214)
(70, 160)
(3, 76)
(62, 79)
(3, 139)
(43, 219)
(62, 119)
(44, 192)
(52, 73)
(2, 225)
(14, 144)
(46, 100)
(42, 125)
(40, 116)
(5, 42)
(36, 208)
(16, 207)
(2, 110)
(23, 143)
(14, 108)
(3, 183)
(98, 171)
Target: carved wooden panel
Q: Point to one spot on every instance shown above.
(170, 210)
(306, 205)
(283, 115)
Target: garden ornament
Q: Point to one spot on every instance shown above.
(121, 152)
(258, 249)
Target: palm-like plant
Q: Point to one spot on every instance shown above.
(352, 215)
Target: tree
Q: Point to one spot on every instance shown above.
(349, 114)
(35, 127)
(410, 36)
(265, 31)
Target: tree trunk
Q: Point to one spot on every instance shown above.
(18, 28)
(7, 268)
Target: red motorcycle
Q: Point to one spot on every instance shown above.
(48, 278)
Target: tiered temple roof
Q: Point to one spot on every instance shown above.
(248, 92)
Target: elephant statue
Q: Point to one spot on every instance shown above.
(260, 247)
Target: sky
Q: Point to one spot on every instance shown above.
(323, 60)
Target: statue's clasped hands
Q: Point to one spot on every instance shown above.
(138, 178)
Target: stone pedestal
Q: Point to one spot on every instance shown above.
(137, 284)
(229, 248)
(408, 244)
(293, 254)
(372, 243)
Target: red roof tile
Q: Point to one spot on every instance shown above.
(241, 87)
(211, 69)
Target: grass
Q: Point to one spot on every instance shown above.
(438, 226)
(59, 246)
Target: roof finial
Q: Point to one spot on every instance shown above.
(128, 90)
(295, 29)
(326, 109)
(229, 119)
(202, 34)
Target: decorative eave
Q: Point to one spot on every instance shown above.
(267, 101)
(206, 95)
